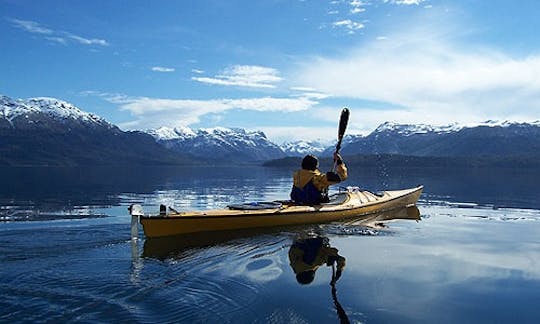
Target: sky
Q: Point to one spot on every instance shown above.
(284, 67)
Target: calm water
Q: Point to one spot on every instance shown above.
(66, 253)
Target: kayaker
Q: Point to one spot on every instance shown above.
(310, 185)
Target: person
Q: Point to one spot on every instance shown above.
(310, 185)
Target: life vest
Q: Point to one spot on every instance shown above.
(308, 195)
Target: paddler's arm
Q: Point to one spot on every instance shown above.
(323, 180)
(341, 169)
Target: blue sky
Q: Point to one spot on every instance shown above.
(284, 67)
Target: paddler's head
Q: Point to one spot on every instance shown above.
(310, 162)
(305, 277)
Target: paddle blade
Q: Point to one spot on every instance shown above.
(343, 121)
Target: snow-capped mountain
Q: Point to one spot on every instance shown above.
(46, 113)
(167, 134)
(220, 143)
(411, 129)
(301, 147)
(489, 138)
(47, 131)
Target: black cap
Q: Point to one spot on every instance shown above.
(310, 162)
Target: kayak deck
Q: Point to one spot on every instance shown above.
(349, 204)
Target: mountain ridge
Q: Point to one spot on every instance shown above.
(48, 131)
(218, 143)
(489, 138)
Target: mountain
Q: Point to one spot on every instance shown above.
(48, 131)
(490, 138)
(46, 113)
(301, 147)
(52, 132)
(220, 144)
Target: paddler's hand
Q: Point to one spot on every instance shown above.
(337, 158)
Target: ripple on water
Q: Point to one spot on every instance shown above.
(213, 282)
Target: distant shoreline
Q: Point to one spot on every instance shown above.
(366, 161)
(403, 161)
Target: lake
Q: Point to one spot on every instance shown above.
(66, 253)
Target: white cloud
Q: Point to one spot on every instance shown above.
(244, 76)
(87, 41)
(197, 71)
(307, 92)
(57, 40)
(306, 89)
(162, 69)
(356, 6)
(357, 10)
(157, 112)
(31, 26)
(55, 36)
(405, 2)
(434, 79)
(348, 24)
(357, 3)
(287, 134)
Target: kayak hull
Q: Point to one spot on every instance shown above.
(352, 204)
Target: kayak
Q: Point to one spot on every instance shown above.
(352, 203)
(166, 247)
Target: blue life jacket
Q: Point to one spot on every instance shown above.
(309, 195)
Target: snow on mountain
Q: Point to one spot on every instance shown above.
(47, 132)
(219, 134)
(411, 129)
(167, 133)
(503, 123)
(301, 147)
(14, 110)
(489, 138)
(218, 143)
(236, 136)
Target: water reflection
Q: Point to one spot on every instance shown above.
(307, 254)
(444, 267)
(256, 257)
(44, 194)
(488, 186)
(178, 246)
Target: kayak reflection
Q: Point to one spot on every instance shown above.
(306, 255)
(162, 248)
(410, 212)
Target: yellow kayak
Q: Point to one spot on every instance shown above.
(353, 203)
(344, 205)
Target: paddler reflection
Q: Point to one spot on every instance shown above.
(308, 254)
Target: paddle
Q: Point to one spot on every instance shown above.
(343, 121)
